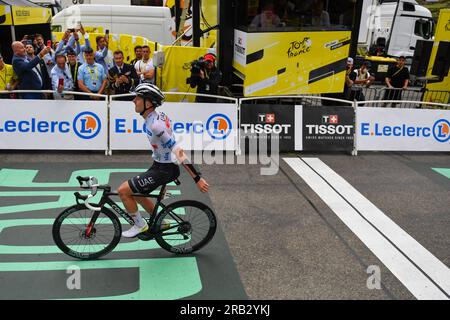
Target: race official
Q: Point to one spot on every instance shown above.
(91, 75)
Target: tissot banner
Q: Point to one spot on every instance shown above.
(325, 128)
(271, 120)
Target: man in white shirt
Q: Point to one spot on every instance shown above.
(62, 79)
(144, 68)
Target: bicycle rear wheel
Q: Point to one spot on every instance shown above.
(76, 238)
(192, 226)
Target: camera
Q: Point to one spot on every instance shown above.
(196, 66)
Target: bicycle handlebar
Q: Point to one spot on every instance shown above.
(91, 183)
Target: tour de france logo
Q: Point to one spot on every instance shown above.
(87, 125)
(297, 48)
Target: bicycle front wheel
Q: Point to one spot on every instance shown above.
(185, 226)
(74, 234)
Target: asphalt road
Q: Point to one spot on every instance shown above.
(277, 239)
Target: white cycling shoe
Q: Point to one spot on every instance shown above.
(134, 231)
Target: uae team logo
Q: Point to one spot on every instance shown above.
(219, 126)
(87, 125)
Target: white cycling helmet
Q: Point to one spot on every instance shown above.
(151, 92)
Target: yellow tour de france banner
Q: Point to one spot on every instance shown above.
(441, 89)
(283, 63)
(30, 15)
(177, 68)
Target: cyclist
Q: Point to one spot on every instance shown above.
(165, 154)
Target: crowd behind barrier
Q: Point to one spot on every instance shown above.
(73, 65)
(59, 70)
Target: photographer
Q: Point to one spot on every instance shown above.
(205, 76)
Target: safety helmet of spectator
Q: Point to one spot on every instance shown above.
(149, 91)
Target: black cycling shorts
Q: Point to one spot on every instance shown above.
(157, 175)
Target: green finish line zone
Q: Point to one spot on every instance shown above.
(172, 278)
(444, 171)
(159, 279)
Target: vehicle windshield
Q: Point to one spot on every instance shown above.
(295, 15)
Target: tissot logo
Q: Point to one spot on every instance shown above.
(266, 117)
(331, 119)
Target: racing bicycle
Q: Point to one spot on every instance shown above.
(89, 231)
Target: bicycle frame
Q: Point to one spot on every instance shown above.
(105, 199)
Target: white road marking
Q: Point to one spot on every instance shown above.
(412, 278)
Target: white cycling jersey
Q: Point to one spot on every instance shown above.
(159, 132)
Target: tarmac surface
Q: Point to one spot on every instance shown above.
(298, 234)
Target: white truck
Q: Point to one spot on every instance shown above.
(393, 26)
(153, 23)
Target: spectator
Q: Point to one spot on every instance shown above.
(68, 42)
(267, 18)
(99, 56)
(39, 43)
(8, 79)
(30, 77)
(73, 65)
(41, 67)
(122, 77)
(138, 55)
(103, 56)
(144, 68)
(362, 79)
(62, 79)
(397, 78)
(350, 78)
(319, 17)
(208, 80)
(49, 58)
(91, 75)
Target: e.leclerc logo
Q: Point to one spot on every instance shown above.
(87, 125)
(218, 126)
(440, 130)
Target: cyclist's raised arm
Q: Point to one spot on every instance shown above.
(183, 159)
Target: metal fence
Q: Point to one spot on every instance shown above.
(385, 97)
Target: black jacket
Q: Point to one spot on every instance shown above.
(209, 85)
(127, 70)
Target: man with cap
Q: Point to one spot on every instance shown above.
(74, 65)
(350, 78)
(92, 76)
(8, 79)
(362, 79)
(208, 79)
